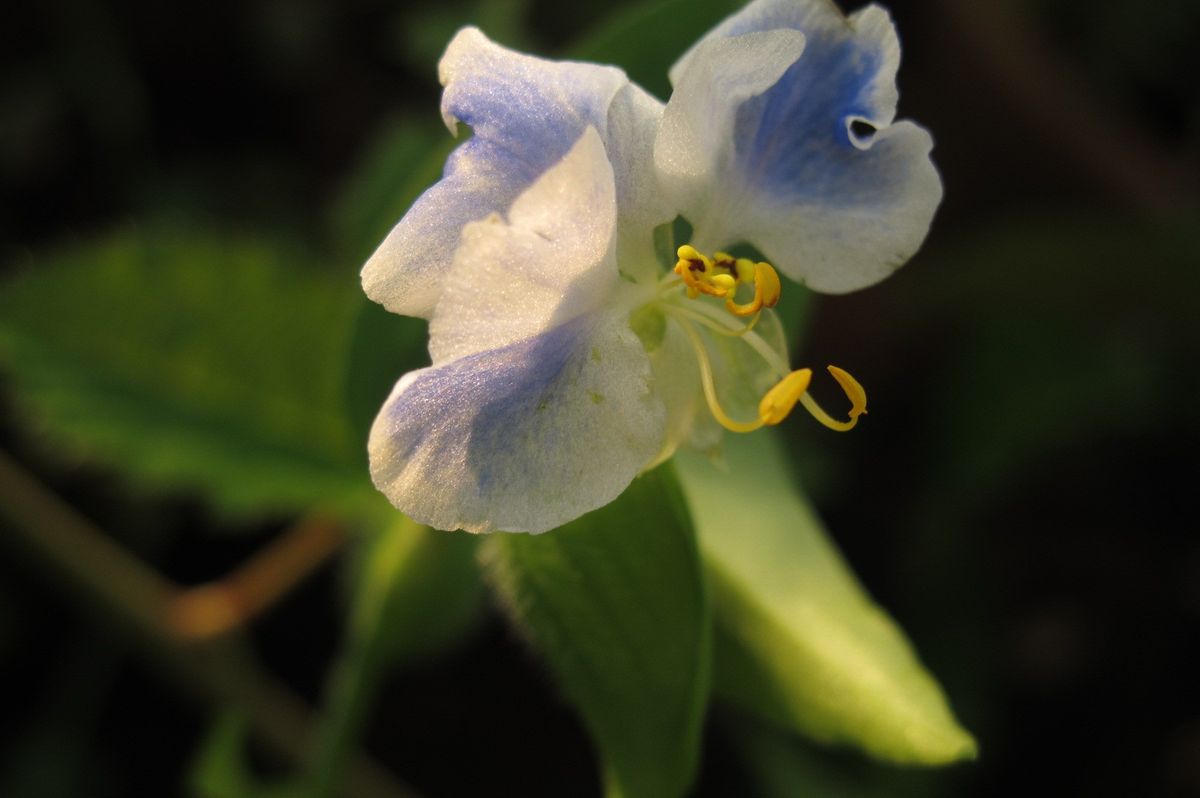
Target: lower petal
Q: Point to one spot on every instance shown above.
(523, 438)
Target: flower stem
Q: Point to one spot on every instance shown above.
(110, 582)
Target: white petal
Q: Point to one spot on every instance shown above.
(633, 120)
(551, 261)
(525, 114)
(828, 205)
(522, 438)
(884, 203)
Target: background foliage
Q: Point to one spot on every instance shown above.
(186, 363)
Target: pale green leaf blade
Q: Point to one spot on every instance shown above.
(220, 769)
(798, 639)
(405, 158)
(616, 603)
(191, 361)
(415, 590)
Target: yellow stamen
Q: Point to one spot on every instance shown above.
(710, 388)
(720, 275)
(719, 329)
(854, 392)
(780, 400)
(853, 389)
(697, 271)
(767, 290)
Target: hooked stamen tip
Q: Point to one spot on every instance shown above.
(853, 390)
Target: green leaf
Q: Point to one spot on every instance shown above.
(616, 603)
(798, 639)
(782, 765)
(427, 29)
(220, 768)
(403, 160)
(383, 347)
(416, 590)
(192, 361)
(1102, 344)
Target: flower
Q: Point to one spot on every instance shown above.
(571, 350)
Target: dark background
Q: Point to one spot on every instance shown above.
(1021, 500)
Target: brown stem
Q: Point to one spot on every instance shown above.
(108, 580)
(217, 608)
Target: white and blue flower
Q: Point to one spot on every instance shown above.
(567, 356)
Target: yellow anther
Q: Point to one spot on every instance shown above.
(854, 392)
(688, 252)
(725, 281)
(745, 270)
(720, 276)
(767, 290)
(780, 400)
(698, 271)
(766, 278)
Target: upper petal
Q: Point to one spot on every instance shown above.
(553, 259)
(696, 142)
(525, 113)
(875, 215)
(825, 199)
(523, 438)
(539, 406)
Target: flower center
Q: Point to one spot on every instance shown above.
(719, 277)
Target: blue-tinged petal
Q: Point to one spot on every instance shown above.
(551, 260)
(820, 179)
(871, 216)
(696, 142)
(539, 405)
(525, 437)
(525, 113)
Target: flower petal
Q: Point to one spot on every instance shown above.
(522, 438)
(820, 179)
(884, 204)
(539, 406)
(552, 260)
(525, 113)
(695, 142)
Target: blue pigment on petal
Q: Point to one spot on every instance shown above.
(485, 406)
(793, 138)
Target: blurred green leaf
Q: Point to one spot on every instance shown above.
(192, 361)
(403, 160)
(798, 639)
(56, 753)
(220, 770)
(782, 765)
(645, 39)
(616, 603)
(384, 346)
(1066, 326)
(425, 30)
(416, 591)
